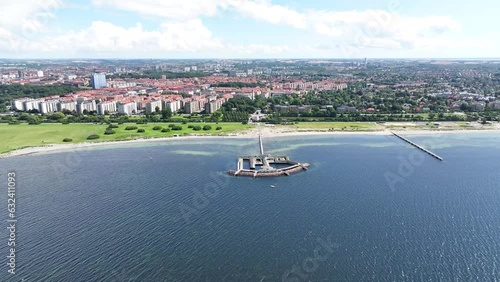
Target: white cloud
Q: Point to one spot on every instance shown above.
(4, 33)
(188, 9)
(172, 9)
(28, 16)
(369, 28)
(263, 10)
(359, 29)
(182, 30)
(104, 37)
(379, 28)
(447, 43)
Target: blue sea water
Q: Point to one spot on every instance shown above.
(370, 208)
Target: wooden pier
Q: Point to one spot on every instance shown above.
(417, 146)
(261, 145)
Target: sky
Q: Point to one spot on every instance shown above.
(191, 29)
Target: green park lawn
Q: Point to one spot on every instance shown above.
(19, 136)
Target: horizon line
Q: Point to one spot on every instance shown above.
(249, 59)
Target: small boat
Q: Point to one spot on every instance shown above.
(272, 186)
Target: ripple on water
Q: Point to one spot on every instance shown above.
(120, 215)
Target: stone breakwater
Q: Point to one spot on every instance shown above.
(295, 168)
(265, 161)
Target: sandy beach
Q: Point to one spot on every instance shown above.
(267, 132)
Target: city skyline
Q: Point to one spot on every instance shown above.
(251, 29)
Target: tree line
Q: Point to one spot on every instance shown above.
(158, 75)
(237, 84)
(11, 92)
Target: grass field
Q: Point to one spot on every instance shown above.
(19, 136)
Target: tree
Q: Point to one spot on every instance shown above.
(177, 127)
(32, 119)
(464, 107)
(166, 113)
(157, 110)
(217, 116)
(57, 116)
(15, 91)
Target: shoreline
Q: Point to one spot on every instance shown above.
(266, 132)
